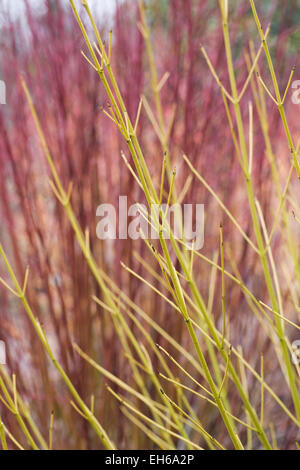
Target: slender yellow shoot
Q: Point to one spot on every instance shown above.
(179, 384)
(171, 187)
(89, 61)
(238, 439)
(162, 180)
(297, 148)
(215, 75)
(97, 50)
(12, 291)
(233, 134)
(288, 84)
(171, 122)
(15, 392)
(163, 81)
(295, 217)
(227, 212)
(7, 405)
(226, 373)
(126, 123)
(142, 30)
(183, 370)
(109, 46)
(273, 436)
(69, 193)
(55, 191)
(2, 435)
(153, 120)
(102, 304)
(192, 260)
(138, 115)
(87, 241)
(145, 418)
(280, 316)
(161, 443)
(262, 391)
(93, 403)
(25, 280)
(138, 364)
(267, 89)
(185, 189)
(109, 116)
(212, 283)
(131, 169)
(250, 137)
(281, 204)
(223, 287)
(253, 67)
(12, 438)
(51, 430)
(100, 55)
(196, 423)
(226, 9)
(64, 198)
(77, 409)
(147, 359)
